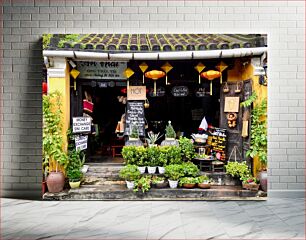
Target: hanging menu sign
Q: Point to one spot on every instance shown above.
(180, 91)
(101, 70)
(201, 92)
(160, 92)
(218, 142)
(135, 115)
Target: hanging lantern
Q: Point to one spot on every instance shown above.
(221, 67)
(143, 67)
(44, 88)
(155, 75)
(211, 75)
(128, 73)
(167, 67)
(74, 73)
(200, 67)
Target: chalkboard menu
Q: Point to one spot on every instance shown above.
(160, 92)
(201, 92)
(218, 142)
(180, 91)
(135, 115)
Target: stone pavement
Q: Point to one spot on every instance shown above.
(271, 219)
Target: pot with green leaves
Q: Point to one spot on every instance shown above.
(143, 184)
(189, 169)
(204, 182)
(130, 173)
(188, 182)
(159, 182)
(237, 170)
(170, 133)
(187, 148)
(141, 158)
(74, 176)
(250, 183)
(174, 172)
(153, 156)
(130, 155)
(153, 138)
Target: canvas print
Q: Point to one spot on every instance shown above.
(154, 117)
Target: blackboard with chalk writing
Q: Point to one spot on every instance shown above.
(218, 142)
(135, 115)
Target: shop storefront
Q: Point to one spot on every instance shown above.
(202, 86)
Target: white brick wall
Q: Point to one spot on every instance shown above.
(25, 21)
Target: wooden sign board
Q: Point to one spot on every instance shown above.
(231, 104)
(81, 124)
(136, 93)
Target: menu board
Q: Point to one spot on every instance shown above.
(218, 142)
(135, 115)
(180, 91)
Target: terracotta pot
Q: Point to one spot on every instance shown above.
(250, 186)
(189, 185)
(55, 182)
(204, 185)
(44, 188)
(263, 178)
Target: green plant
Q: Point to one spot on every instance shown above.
(143, 184)
(46, 40)
(153, 156)
(134, 131)
(187, 149)
(249, 179)
(203, 178)
(170, 133)
(249, 101)
(74, 175)
(141, 156)
(259, 133)
(157, 179)
(53, 142)
(68, 38)
(189, 169)
(130, 155)
(152, 137)
(130, 173)
(238, 169)
(188, 180)
(174, 171)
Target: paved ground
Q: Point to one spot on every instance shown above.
(271, 219)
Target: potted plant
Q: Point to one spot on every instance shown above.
(187, 148)
(161, 162)
(204, 182)
(170, 133)
(190, 169)
(153, 155)
(188, 182)
(129, 154)
(159, 182)
(134, 135)
(142, 158)
(74, 176)
(152, 138)
(170, 154)
(74, 167)
(143, 184)
(173, 172)
(250, 183)
(55, 158)
(130, 173)
(237, 170)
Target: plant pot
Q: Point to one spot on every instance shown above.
(133, 139)
(74, 184)
(250, 186)
(204, 185)
(142, 169)
(55, 182)
(151, 170)
(163, 184)
(130, 184)
(161, 170)
(189, 185)
(263, 178)
(172, 184)
(169, 139)
(44, 188)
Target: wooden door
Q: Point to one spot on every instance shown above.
(234, 137)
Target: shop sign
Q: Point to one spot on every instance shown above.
(135, 115)
(81, 142)
(231, 104)
(81, 124)
(136, 93)
(160, 92)
(201, 92)
(101, 70)
(180, 91)
(102, 84)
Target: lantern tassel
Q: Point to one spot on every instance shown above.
(154, 88)
(199, 79)
(166, 79)
(210, 88)
(127, 85)
(74, 84)
(221, 78)
(143, 78)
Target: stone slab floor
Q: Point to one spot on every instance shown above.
(271, 219)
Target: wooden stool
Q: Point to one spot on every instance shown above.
(217, 166)
(114, 147)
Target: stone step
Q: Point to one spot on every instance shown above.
(120, 192)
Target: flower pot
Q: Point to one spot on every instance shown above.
(74, 184)
(189, 185)
(263, 178)
(55, 182)
(163, 184)
(142, 169)
(133, 139)
(204, 185)
(250, 186)
(130, 184)
(173, 184)
(151, 170)
(44, 188)
(169, 139)
(161, 170)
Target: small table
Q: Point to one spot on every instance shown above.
(205, 164)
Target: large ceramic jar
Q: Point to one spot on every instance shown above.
(55, 182)
(263, 178)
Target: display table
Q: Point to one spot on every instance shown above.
(205, 164)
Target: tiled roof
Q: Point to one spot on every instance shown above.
(153, 42)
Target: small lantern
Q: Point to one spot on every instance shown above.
(128, 73)
(200, 67)
(221, 67)
(143, 67)
(155, 75)
(211, 75)
(167, 68)
(74, 73)
(44, 88)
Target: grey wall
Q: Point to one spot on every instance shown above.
(24, 21)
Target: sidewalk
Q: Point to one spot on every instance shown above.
(271, 219)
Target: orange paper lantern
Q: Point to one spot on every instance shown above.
(211, 75)
(155, 75)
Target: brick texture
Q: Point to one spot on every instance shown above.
(24, 22)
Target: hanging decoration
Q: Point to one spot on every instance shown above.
(128, 73)
(155, 75)
(143, 67)
(74, 73)
(221, 67)
(147, 103)
(231, 119)
(200, 67)
(167, 68)
(211, 75)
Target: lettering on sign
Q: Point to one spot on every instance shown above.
(81, 124)
(160, 92)
(136, 93)
(201, 92)
(180, 91)
(101, 70)
(218, 142)
(81, 142)
(134, 115)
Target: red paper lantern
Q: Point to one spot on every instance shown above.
(44, 88)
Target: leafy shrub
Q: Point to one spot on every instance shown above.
(143, 184)
(188, 180)
(74, 175)
(153, 156)
(170, 133)
(238, 169)
(170, 155)
(187, 149)
(174, 171)
(130, 173)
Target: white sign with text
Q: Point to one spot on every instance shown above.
(81, 124)
(81, 142)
